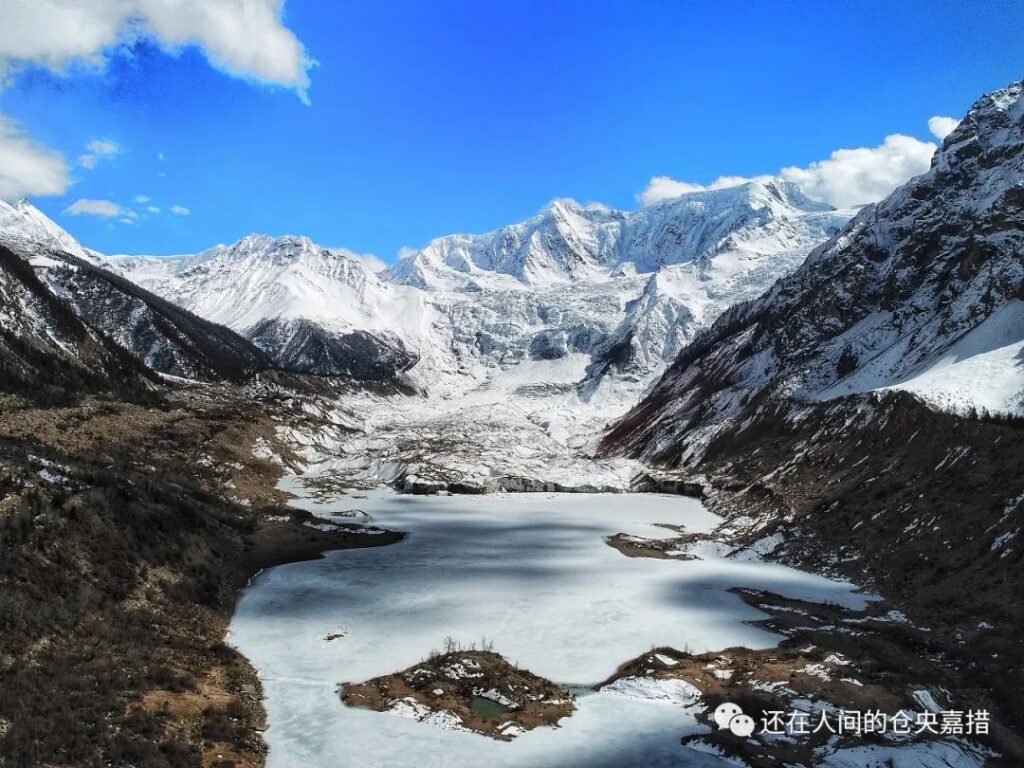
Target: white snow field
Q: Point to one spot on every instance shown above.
(532, 572)
(983, 368)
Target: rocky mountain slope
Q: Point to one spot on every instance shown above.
(69, 322)
(44, 344)
(923, 291)
(809, 416)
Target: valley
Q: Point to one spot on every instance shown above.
(733, 447)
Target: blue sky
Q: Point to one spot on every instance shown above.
(426, 118)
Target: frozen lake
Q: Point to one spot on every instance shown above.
(532, 572)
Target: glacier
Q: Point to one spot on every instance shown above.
(517, 345)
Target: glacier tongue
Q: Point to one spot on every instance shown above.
(526, 340)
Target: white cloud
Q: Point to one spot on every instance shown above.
(733, 181)
(941, 126)
(105, 208)
(665, 188)
(863, 175)
(244, 38)
(848, 177)
(53, 33)
(140, 199)
(97, 149)
(160, 156)
(27, 168)
(368, 260)
(371, 262)
(103, 147)
(179, 210)
(152, 209)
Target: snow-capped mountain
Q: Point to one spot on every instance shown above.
(533, 335)
(627, 288)
(318, 310)
(69, 322)
(260, 278)
(922, 292)
(23, 227)
(570, 242)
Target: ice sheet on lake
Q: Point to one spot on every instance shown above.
(532, 573)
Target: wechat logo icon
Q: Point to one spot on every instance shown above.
(729, 715)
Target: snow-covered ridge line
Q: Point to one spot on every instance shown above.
(625, 287)
(567, 241)
(24, 225)
(532, 336)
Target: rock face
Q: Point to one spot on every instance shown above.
(167, 338)
(923, 291)
(302, 345)
(45, 345)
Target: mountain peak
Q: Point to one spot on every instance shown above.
(23, 223)
(291, 247)
(753, 192)
(792, 195)
(562, 204)
(564, 207)
(257, 241)
(995, 121)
